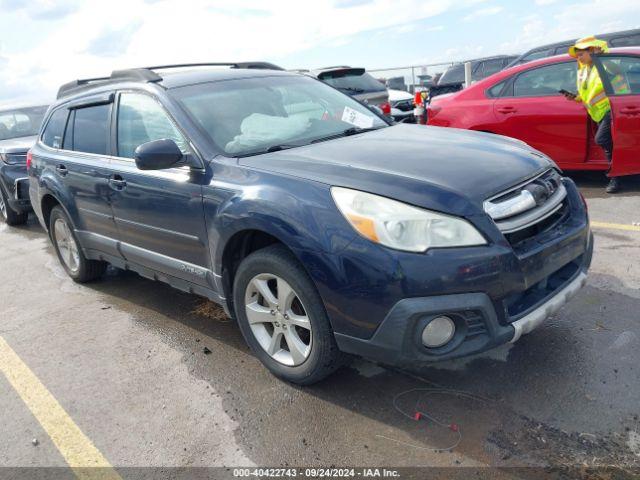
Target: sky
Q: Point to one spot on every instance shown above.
(45, 43)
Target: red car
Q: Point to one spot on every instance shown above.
(524, 102)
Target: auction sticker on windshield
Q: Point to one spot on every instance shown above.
(356, 118)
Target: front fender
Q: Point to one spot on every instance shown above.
(299, 213)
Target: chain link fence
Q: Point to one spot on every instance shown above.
(410, 77)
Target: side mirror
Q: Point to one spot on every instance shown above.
(158, 155)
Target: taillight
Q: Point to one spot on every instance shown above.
(28, 159)
(386, 108)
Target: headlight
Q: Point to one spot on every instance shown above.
(401, 226)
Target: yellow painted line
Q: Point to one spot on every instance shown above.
(76, 448)
(616, 226)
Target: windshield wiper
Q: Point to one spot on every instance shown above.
(346, 133)
(284, 146)
(272, 148)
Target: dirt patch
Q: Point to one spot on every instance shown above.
(210, 310)
(585, 454)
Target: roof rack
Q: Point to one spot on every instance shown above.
(147, 74)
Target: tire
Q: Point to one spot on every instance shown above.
(68, 249)
(10, 216)
(279, 322)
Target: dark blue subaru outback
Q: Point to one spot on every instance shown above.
(323, 229)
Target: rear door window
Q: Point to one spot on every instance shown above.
(545, 81)
(54, 131)
(91, 129)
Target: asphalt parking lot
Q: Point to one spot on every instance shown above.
(150, 376)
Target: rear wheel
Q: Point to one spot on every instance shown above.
(282, 317)
(77, 266)
(10, 216)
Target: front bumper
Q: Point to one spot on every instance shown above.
(494, 294)
(533, 320)
(15, 184)
(397, 341)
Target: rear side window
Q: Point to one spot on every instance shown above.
(544, 81)
(91, 129)
(54, 131)
(140, 120)
(628, 41)
(536, 55)
(489, 67)
(561, 50)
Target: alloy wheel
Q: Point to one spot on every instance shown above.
(278, 319)
(67, 245)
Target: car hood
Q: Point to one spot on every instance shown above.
(444, 169)
(17, 145)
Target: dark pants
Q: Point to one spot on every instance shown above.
(603, 136)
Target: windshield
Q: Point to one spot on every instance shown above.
(254, 115)
(352, 81)
(21, 122)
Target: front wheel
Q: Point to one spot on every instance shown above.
(77, 266)
(282, 317)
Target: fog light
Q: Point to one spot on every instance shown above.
(438, 332)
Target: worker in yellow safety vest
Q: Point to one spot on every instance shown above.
(591, 93)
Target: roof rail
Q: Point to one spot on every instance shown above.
(253, 65)
(77, 85)
(133, 74)
(147, 74)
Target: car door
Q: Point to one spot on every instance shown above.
(81, 162)
(159, 214)
(530, 109)
(621, 78)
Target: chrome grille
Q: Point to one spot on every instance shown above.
(526, 204)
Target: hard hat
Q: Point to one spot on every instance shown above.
(587, 42)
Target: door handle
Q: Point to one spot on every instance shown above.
(507, 109)
(62, 170)
(630, 110)
(117, 182)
